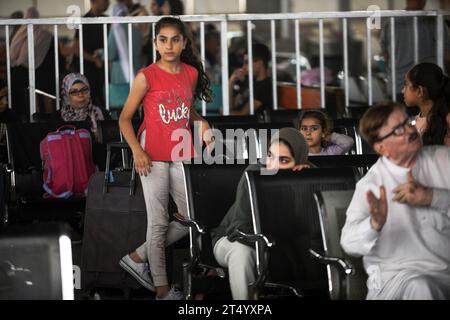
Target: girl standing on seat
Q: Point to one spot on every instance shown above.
(167, 89)
(427, 87)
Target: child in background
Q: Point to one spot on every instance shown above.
(427, 87)
(317, 128)
(167, 89)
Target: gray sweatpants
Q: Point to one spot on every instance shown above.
(165, 178)
(241, 263)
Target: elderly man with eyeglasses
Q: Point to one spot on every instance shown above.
(399, 217)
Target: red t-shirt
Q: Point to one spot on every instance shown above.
(167, 106)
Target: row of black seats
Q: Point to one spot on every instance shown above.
(285, 212)
(25, 167)
(24, 191)
(276, 119)
(279, 115)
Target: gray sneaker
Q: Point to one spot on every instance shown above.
(174, 294)
(139, 271)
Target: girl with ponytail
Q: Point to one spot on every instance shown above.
(168, 89)
(427, 87)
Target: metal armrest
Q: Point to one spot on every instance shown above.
(297, 292)
(191, 224)
(343, 265)
(260, 238)
(8, 167)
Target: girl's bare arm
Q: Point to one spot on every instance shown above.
(138, 90)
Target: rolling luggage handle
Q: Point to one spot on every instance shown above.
(117, 145)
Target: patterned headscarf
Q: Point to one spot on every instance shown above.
(70, 113)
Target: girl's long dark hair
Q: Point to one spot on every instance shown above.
(188, 56)
(437, 88)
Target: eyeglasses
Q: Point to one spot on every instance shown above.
(399, 129)
(82, 91)
(310, 128)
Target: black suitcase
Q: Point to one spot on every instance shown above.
(115, 225)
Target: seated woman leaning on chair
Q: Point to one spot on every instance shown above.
(288, 150)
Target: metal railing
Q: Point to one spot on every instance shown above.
(248, 18)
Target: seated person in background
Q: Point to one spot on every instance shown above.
(399, 217)
(6, 114)
(316, 127)
(262, 83)
(212, 56)
(427, 87)
(288, 150)
(172, 7)
(76, 104)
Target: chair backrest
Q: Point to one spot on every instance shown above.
(361, 161)
(250, 140)
(24, 140)
(357, 111)
(284, 115)
(346, 122)
(36, 263)
(109, 131)
(23, 144)
(211, 190)
(349, 127)
(284, 209)
(332, 207)
(216, 120)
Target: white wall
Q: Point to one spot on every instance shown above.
(52, 8)
(383, 4)
(207, 6)
(362, 5)
(316, 5)
(8, 7)
(216, 6)
(47, 8)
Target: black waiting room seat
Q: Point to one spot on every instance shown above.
(211, 190)
(346, 275)
(25, 175)
(287, 226)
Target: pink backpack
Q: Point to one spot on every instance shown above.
(68, 165)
